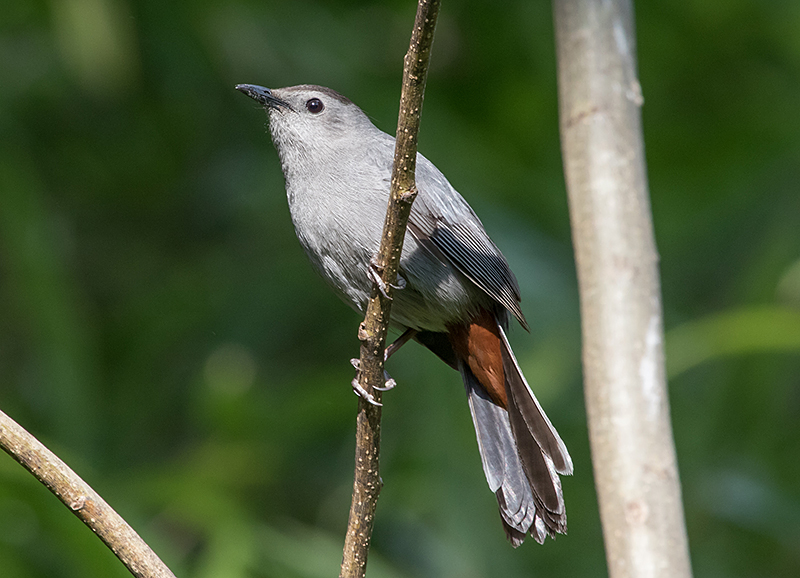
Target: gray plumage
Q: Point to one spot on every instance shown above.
(337, 166)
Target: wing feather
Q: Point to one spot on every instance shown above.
(442, 221)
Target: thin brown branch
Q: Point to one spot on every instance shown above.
(372, 332)
(633, 451)
(82, 500)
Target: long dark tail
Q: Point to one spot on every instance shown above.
(522, 454)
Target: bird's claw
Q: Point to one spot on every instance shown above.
(389, 383)
(364, 394)
(374, 273)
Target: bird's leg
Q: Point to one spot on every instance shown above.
(375, 274)
(389, 351)
(389, 382)
(399, 342)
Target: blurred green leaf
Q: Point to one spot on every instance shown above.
(766, 329)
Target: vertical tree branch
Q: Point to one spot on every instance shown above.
(626, 396)
(82, 500)
(372, 332)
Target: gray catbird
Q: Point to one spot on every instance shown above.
(457, 287)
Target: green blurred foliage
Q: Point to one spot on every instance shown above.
(161, 330)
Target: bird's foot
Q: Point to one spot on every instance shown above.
(389, 383)
(363, 393)
(375, 274)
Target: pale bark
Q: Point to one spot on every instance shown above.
(633, 451)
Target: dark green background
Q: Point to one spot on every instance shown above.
(161, 330)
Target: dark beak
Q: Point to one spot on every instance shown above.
(263, 96)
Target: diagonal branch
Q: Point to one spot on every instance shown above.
(76, 494)
(372, 332)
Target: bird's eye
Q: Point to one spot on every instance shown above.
(315, 106)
